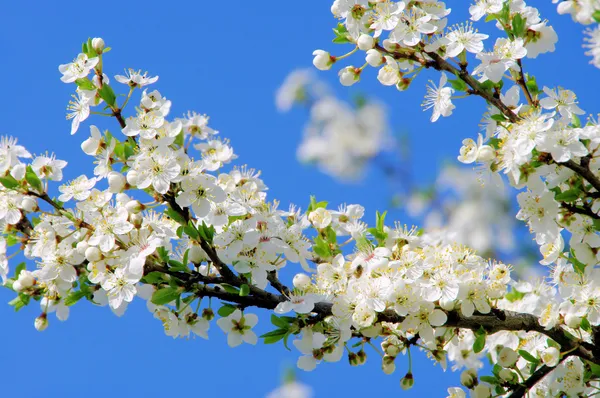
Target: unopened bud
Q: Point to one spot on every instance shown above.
(29, 204)
(25, 280)
(388, 365)
(93, 254)
(365, 42)
(362, 357)
(41, 322)
(116, 182)
(507, 375)
(407, 381)
(481, 391)
(468, 378)
(208, 314)
(196, 255)
(301, 281)
(572, 321)
(353, 359)
(98, 44)
(134, 207)
(486, 154)
(136, 219)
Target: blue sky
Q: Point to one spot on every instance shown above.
(225, 59)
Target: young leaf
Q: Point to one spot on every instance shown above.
(108, 95)
(226, 310)
(165, 295)
(33, 180)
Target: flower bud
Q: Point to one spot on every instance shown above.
(132, 177)
(323, 60)
(29, 204)
(365, 42)
(301, 281)
(407, 381)
(481, 391)
(136, 219)
(374, 58)
(486, 154)
(468, 378)
(196, 255)
(392, 350)
(362, 357)
(353, 359)
(93, 254)
(388, 365)
(550, 356)
(116, 182)
(572, 321)
(41, 322)
(349, 75)
(98, 44)
(25, 280)
(82, 247)
(134, 207)
(507, 357)
(208, 314)
(17, 287)
(507, 375)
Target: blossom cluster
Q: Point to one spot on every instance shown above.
(169, 218)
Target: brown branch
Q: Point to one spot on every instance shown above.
(580, 210)
(521, 82)
(276, 283)
(583, 170)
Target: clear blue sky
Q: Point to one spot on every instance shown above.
(225, 59)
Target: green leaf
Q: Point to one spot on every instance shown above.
(341, 34)
(596, 16)
(532, 86)
(108, 95)
(9, 182)
(279, 322)
(12, 240)
(85, 84)
(585, 325)
(479, 343)
(33, 180)
(528, 357)
(459, 84)
(179, 140)
(244, 290)
(498, 117)
(226, 310)
(519, 25)
(74, 297)
(17, 302)
(489, 379)
(21, 267)
(568, 196)
(552, 343)
(153, 278)
(230, 289)
(274, 336)
(191, 231)
(165, 295)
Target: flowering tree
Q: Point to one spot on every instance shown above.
(165, 218)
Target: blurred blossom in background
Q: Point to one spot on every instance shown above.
(340, 138)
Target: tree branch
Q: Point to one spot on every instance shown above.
(528, 384)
